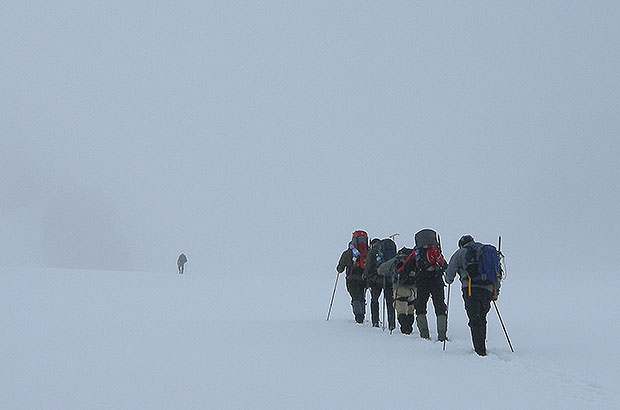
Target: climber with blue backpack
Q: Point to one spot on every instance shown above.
(381, 250)
(479, 270)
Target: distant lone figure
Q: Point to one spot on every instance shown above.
(181, 263)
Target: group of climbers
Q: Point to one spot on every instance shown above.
(410, 276)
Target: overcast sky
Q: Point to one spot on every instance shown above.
(258, 134)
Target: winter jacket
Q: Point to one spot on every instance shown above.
(370, 268)
(458, 265)
(345, 264)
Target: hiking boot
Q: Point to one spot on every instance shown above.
(406, 324)
(478, 333)
(442, 327)
(423, 326)
(358, 310)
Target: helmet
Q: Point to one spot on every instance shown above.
(465, 239)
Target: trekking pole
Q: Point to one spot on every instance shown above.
(448, 301)
(392, 236)
(365, 299)
(383, 324)
(333, 294)
(447, 310)
(499, 249)
(502, 259)
(503, 327)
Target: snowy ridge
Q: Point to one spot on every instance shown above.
(129, 340)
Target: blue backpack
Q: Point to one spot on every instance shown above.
(386, 250)
(483, 265)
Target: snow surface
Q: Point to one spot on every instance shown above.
(75, 339)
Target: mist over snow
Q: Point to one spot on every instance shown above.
(255, 137)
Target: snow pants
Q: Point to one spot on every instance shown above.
(477, 306)
(357, 290)
(375, 293)
(433, 288)
(404, 297)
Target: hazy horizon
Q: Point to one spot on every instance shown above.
(246, 134)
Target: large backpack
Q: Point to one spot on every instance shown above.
(405, 278)
(385, 251)
(426, 237)
(482, 263)
(429, 260)
(359, 247)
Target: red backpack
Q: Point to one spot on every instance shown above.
(428, 258)
(359, 246)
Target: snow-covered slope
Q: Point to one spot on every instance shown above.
(140, 340)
